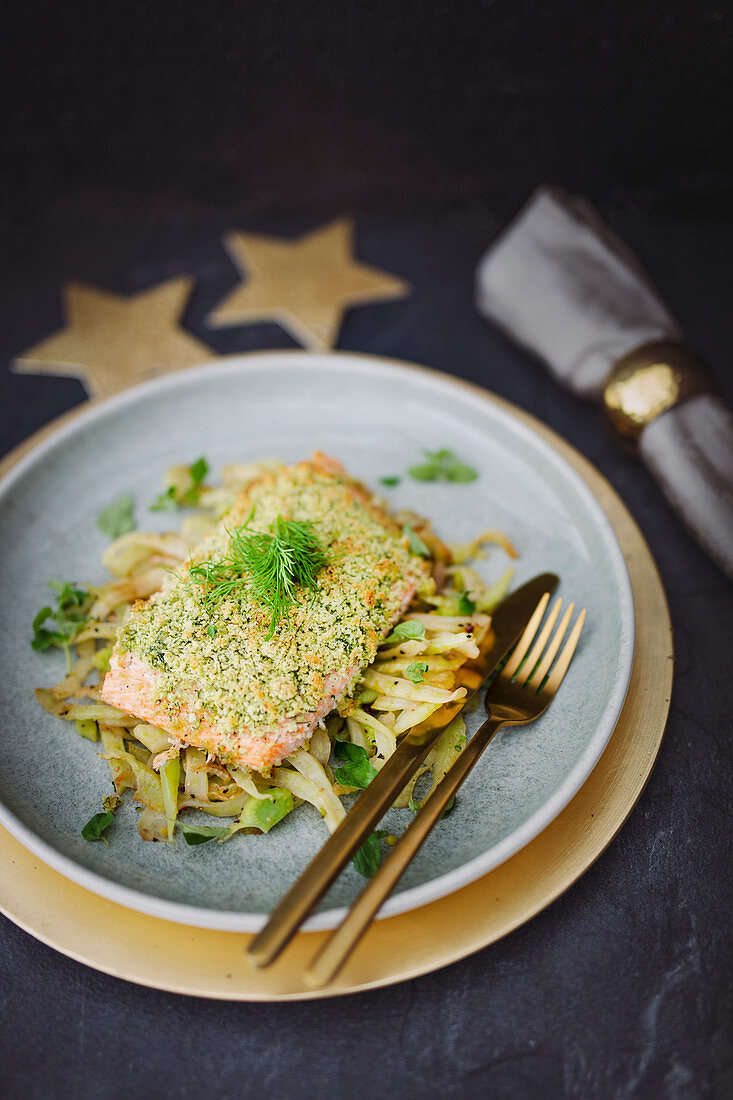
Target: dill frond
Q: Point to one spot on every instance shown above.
(271, 565)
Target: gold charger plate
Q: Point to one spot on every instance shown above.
(205, 963)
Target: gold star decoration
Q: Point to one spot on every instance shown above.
(111, 341)
(305, 285)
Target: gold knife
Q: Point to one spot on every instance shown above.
(507, 624)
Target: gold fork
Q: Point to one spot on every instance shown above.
(522, 691)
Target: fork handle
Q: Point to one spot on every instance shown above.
(331, 859)
(345, 937)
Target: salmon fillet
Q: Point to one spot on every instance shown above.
(210, 675)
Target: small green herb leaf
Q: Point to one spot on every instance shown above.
(358, 771)
(211, 630)
(166, 502)
(416, 544)
(200, 834)
(369, 856)
(198, 470)
(68, 617)
(191, 494)
(404, 631)
(427, 471)
(449, 808)
(442, 465)
(390, 482)
(413, 804)
(43, 638)
(178, 496)
(118, 518)
(366, 696)
(416, 671)
(458, 471)
(97, 825)
(466, 606)
(68, 596)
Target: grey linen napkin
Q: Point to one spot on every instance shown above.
(561, 284)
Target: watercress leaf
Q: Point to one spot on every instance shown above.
(449, 808)
(390, 481)
(211, 630)
(413, 804)
(43, 614)
(443, 465)
(416, 544)
(118, 517)
(69, 602)
(466, 606)
(358, 771)
(166, 502)
(97, 825)
(64, 592)
(459, 472)
(68, 617)
(366, 696)
(198, 470)
(404, 631)
(355, 775)
(200, 834)
(425, 471)
(416, 671)
(367, 859)
(441, 456)
(347, 750)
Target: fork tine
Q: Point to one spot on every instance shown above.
(553, 647)
(525, 675)
(558, 672)
(526, 640)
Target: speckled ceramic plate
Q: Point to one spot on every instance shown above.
(376, 416)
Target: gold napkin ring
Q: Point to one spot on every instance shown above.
(649, 381)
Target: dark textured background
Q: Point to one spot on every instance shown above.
(366, 103)
(136, 137)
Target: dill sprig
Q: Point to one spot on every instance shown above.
(271, 565)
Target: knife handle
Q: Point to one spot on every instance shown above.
(346, 936)
(340, 847)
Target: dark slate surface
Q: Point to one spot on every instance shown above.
(288, 104)
(620, 989)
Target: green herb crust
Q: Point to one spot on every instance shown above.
(239, 677)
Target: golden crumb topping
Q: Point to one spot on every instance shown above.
(217, 661)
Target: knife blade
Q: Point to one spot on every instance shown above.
(507, 624)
